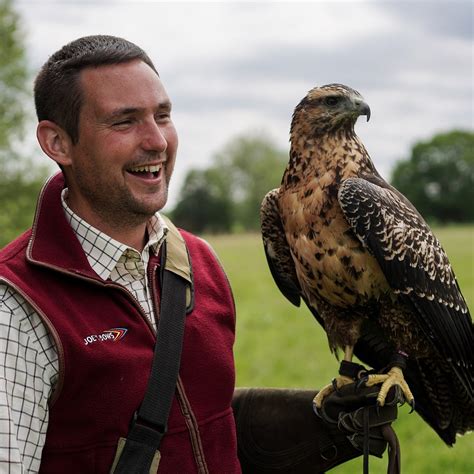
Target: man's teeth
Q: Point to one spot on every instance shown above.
(146, 169)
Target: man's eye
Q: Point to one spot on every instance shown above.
(123, 122)
(162, 117)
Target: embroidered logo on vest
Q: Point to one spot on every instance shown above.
(111, 335)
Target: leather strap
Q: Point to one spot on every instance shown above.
(388, 433)
(394, 456)
(149, 423)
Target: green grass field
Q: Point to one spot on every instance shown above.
(279, 345)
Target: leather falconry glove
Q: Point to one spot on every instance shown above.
(354, 411)
(278, 432)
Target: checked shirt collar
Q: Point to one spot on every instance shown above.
(106, 256)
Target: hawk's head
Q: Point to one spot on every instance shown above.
(329, 108)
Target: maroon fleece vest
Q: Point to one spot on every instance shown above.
(105, 345)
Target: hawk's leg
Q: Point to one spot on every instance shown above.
(337, 383)
(393, 377)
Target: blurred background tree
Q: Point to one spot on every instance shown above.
(252, 165)
(205, 205)
(232, 187)
(438, 178)
(13, 78)
(20, 180)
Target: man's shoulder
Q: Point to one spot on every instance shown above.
(189, 237)
(196, 245)
(195, 240)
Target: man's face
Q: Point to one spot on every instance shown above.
(122, 164)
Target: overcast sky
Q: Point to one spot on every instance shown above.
(235, 68)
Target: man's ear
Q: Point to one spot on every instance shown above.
(55, 142)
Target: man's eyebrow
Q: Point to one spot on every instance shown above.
(133, 110)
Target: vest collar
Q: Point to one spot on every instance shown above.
(54, 244)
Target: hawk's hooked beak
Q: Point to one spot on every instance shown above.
(362, 108)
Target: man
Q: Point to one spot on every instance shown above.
(80, 291)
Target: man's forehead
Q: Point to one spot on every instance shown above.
(131, 84)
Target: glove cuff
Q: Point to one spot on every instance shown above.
(399, 359)
(351, 369)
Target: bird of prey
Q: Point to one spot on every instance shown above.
(361, 257)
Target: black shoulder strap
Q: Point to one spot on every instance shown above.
(150, 421)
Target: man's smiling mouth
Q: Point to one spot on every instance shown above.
(146, 171)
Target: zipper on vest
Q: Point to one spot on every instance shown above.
(183, 401)
(106, 283)
(140, 308)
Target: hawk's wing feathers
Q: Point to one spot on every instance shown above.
(277, 250)
(415, 266)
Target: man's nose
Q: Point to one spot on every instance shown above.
(154, 137)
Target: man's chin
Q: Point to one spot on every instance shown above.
(150, 208)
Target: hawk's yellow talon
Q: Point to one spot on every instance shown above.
(340, 381)
(393, 377)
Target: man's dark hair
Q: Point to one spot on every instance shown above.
(58, 94)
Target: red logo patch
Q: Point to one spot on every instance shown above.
(110, 335)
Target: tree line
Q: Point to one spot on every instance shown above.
(20, 180)
(226, 196)
(437, 177)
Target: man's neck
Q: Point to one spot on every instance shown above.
(135, 237)
(128, 230)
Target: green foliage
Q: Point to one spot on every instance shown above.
(18, 199)
(438, 178)
(204, 205)
(279, 345)
(19, 180)
(252, 166)
(232, 188)
(13, 76)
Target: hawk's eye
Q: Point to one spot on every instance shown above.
(332, 100)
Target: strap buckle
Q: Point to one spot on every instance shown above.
(138, 422)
